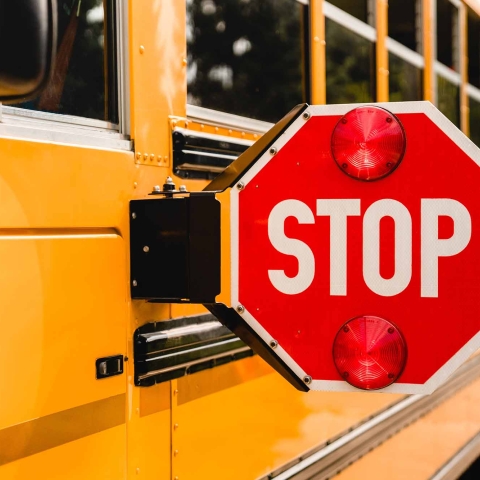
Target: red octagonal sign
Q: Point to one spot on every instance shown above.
(356, 248)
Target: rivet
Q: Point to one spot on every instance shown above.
(273, 151)
(176, 452)
(137, 471)
(240, 308)
(323, 42)
(182, 188)
(184, 61)
(273, 343)
(255, 135)
(175, 426)
(165, 158)
(229, 132)
(243, 134)
(157, 188)
(240, 186)
(134, 283)
(134, 184)
(145, 156)
(146, 248)
(216, 129)
(202, 126)
(139, 155)
(307, 379)
(152, 157)
(306, 115)
(316, 39)
(142, 49)
(175, 392)
(134, 215)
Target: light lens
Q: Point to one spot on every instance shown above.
(369, 352)
(368, 143)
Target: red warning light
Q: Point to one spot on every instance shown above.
(368, 143)
(369, 352)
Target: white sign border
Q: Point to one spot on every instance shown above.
(464, 143)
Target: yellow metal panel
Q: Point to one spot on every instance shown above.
(98, 456)
(428, 51)
(158, 73)
(464, 108)
(62, 308)
(318, 59)
(244, 429)
(382, 53)
(418, 451)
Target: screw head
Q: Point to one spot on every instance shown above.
(134, 283)
(307, 379)
(306, 115)
(273, 344)
(273, 151)
(344, 120)
(146, 248)
(240, 186)
(346, 329)
(389, 119)
(240, 308)
(391, 330)
(182, 188)
(134, 215)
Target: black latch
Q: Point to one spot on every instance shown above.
(109, 366)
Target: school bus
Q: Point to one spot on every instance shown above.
(96, 385)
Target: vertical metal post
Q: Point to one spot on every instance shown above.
(464, 104)
(318, 56)
(428, 21)
(381, 20)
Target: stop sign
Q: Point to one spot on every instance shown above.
(329, 263)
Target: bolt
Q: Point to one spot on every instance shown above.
(391, 330)
(346, 329)
(344, 120)
(389, 119)
(273, 343)
(240, 308)
(146, 248)
(306, 115)
(307, 379)
(273, 151)
(240, 186)
(156, 188)
(134, 215)
(183, 188)
(125, 359)
(134, 283)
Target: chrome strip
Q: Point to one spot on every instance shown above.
(339, 453)
(59, 118)
(212, 136)
(180, 331)
(473, 92)
(447, 73)
(405, 53)
(349, 22)
(460, 462)
(207, 154)
(188, 365)
(123, 63)
(214, 117)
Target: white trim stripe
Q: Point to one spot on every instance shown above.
(405, 53)
(465, 144)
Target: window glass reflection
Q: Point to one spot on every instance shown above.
(84, 80)
(350, 66)
(357, 8)
(448, 99)
(246, 57)
(405, 80)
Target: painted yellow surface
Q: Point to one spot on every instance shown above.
(421, 449)
(98, 456)
(229, 428)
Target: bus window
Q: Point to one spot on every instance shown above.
(404, 44)
(84, 81)
(356, 8)
(473, 32)
(350, 64)
(475, 120)
(246, 57)
(448, 99)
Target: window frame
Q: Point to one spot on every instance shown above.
(53, 127)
